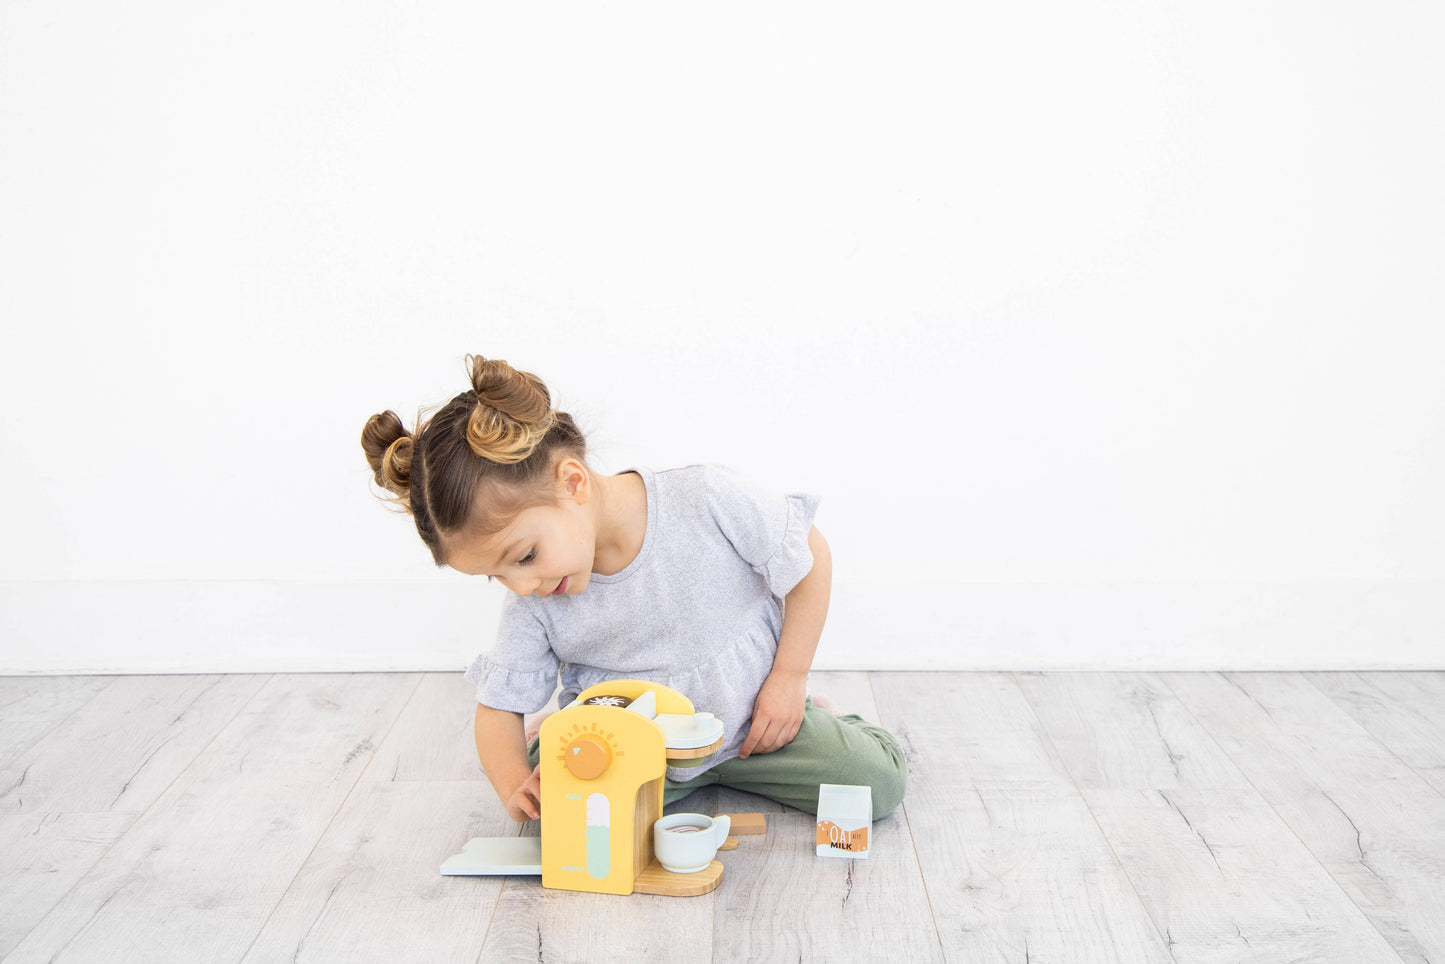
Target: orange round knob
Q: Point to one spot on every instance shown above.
(587, 757)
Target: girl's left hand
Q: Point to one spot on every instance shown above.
(777, 714)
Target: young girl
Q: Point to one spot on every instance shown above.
(689, 577)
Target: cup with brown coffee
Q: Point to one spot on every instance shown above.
(685, 843)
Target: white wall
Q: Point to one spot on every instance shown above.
(1111, 334)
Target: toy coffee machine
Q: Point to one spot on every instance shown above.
(603, 758)
(603, 761)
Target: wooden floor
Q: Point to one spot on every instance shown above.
(1050, 817)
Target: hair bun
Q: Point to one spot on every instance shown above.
(513, 414)
(389, 448)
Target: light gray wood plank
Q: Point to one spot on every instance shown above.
(125, 746)
(1126, 730)
(372, 891)
(973, 725)
(780, 901)
(198, 874)
(1015, 866)
(45, 699)
(1026, 874)
(1220, 874)
(1404, 711)
(1229, 883)
(433, 740)
(537, 924)
(41, 857)
(1372, 822)
(31, 706)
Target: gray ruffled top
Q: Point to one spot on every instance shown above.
(699, 609)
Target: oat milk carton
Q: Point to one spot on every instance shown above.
(845, 818)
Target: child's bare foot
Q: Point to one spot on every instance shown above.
(824, 703)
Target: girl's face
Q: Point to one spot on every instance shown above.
(543, 546)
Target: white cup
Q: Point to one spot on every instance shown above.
(685, 843)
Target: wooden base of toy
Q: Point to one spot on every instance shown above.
(664, 883)
(744, 824)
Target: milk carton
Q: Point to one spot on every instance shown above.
(845, 819)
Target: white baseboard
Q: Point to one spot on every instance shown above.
(263, 627)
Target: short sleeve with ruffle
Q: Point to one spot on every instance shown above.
(769, 530)
(520, 672)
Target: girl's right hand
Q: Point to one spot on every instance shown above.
(525, 803)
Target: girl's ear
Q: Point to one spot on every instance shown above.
(574, 478)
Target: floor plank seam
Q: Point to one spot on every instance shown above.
(912, 841)
(1278, 816)
(1164, 940)
(324, 830)
(712, 941)
(491, 918)
(923, 879)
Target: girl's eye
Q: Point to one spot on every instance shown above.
(528, 557)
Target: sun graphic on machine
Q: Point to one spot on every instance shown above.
(588, 751)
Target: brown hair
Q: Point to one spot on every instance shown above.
(493, 446)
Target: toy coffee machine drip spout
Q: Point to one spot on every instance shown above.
(603, 758)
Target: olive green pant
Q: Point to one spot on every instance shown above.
(827, 749)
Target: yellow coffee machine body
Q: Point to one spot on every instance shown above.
(602, 770)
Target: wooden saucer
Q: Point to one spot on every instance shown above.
(696, 753)
(656, 880)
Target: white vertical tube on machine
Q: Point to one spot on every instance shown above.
(599, 836)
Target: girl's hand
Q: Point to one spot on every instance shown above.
(777, 714)
(525, 803)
